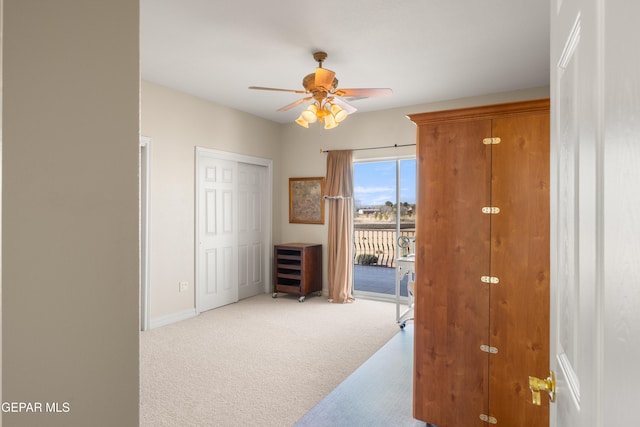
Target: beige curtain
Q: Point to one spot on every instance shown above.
(339, 193)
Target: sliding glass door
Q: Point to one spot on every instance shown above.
(385, 203)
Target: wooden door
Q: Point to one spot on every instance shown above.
(452, 303)
(482, 276)
(520, 260)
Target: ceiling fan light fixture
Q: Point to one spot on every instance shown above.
(322, 113)
(330, 122)
(302, 122)
(310, 114)
(338, 113)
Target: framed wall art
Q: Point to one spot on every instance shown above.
(306, 205)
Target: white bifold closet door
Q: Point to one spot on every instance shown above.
(231, 227)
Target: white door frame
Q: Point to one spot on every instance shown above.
(239, 158)
(145, 221)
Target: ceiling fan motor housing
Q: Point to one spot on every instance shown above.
(318, 92)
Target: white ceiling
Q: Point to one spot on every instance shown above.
(424, 50)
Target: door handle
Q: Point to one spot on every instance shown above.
(536, 385)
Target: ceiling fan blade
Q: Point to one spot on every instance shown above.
(344, 105)
(279, 90)
(324, 78)
(364, 92)
(293, 104)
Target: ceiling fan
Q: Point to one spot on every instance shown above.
(322, 86)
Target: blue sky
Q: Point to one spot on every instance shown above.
(375, 182)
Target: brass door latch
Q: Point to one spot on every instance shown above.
(536, 385)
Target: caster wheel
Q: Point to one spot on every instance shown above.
(301, 299)
(275, 295)
(402, 325)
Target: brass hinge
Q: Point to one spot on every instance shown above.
(491, 141)
(490, 210)
(488, 419)
(489, 349)
(490, 279)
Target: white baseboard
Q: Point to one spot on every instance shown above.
(173, 318)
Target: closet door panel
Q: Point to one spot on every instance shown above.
(452, 302)
(520, 259)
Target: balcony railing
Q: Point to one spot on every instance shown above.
(377, 246)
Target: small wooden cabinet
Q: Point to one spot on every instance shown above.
(297, 269)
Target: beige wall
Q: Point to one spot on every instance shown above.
(70, 211)
(176, 124)
(360, 130)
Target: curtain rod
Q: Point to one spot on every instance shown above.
(373, 148)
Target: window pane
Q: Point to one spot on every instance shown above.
(376, 219)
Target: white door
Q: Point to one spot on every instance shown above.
(251, 229)
(217, 207)
(233, 227)
(576, 342)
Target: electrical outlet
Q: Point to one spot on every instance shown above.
(183, 286)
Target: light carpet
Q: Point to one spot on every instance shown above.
(261, 361)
